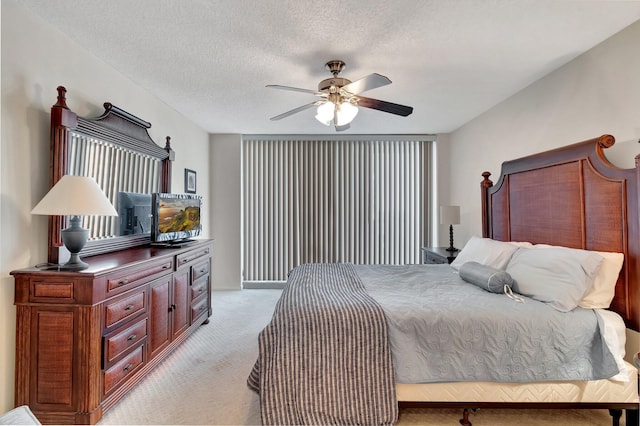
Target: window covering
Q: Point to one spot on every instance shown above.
(324, 200)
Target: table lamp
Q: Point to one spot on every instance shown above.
(450, 215)
(75, 196)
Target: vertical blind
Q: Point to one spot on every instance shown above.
(127, 171)
(317, 201)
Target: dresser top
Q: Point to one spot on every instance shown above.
(104, 263)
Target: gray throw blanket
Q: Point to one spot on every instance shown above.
(324, 358)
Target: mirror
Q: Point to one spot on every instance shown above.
(121, 173)
(117, 151)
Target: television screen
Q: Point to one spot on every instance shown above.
(176, 217)
(134, 213)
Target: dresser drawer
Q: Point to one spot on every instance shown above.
(198, 308)
(199, 270)
(52, 290)
(199, 287)
(119, 342)
(118, 310)
(186, 258)
(123, 369)
(128, 278)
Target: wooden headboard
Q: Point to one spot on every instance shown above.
(573, 197)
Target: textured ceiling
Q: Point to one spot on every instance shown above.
(449, 59)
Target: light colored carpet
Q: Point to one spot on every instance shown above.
(204, 380)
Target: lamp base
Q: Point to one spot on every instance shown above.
(451, 248)
(74, 237)
(74, 263)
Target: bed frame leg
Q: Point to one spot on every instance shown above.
(464, 421)
(615, 416)
(632, 417)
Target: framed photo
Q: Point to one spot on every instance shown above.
(189, 181)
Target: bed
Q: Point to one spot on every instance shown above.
(331, 354)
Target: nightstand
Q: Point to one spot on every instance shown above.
(438, 255)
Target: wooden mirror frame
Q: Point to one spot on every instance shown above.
(115, 126)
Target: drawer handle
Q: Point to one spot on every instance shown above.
(201, 289)
(127, 367)
(128, 308)
(202, 308)
(132, 337)
(166, 266)
(123, 282)
(203, 270)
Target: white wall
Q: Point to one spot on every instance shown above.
(36, 58)
(444, 191)
(597, 93)
(226, 193)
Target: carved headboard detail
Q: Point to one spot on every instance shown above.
(114, 148)
(574, 197)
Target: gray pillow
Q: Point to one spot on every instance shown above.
(485, 277)
(558, 276)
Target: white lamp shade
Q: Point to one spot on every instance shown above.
(346, 113)
(449, 215)
(75, 196)
(325, 113)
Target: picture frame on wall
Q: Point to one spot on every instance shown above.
(189, 181)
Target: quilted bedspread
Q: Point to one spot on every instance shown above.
(324, 358)
(443, 329)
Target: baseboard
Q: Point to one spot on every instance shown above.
(257, 285)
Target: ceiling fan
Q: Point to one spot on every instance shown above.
(340, 98)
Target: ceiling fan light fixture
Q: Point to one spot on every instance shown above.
(341, 99)
(325, 113)
(346, 113)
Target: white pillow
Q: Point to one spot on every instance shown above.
(558, 276)
(526, 244)
(485, 251)
(604, 286)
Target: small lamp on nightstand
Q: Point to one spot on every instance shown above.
(75, 196)
(450, 215)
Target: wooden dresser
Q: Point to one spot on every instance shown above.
(84, 339)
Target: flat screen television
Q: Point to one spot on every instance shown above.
(134, 213)
(175, 218)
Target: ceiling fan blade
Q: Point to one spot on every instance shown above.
(295, 89)
(295, 110)
(385, 106)
(366, 83)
